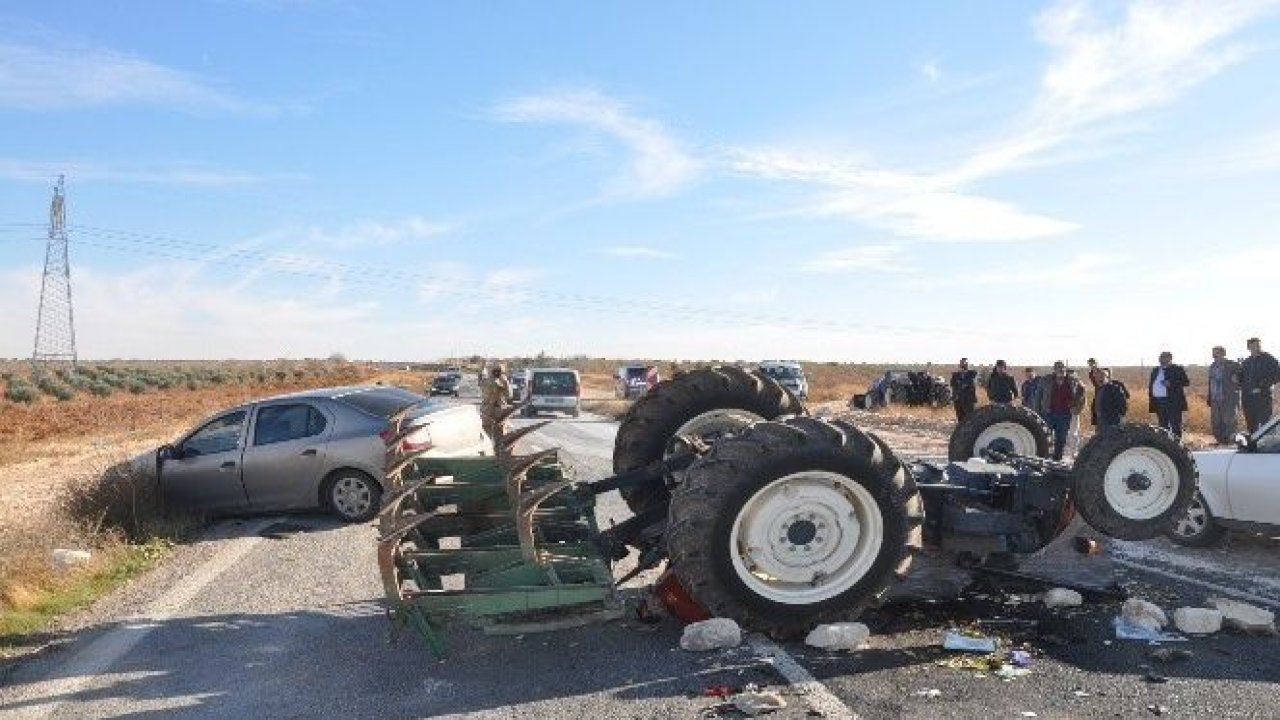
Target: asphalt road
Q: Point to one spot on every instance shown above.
(243, 625)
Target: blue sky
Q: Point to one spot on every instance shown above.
(826, 180)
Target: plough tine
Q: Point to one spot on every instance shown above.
(505, 414)
(529, 502)
(398, 533)
(395, 470)
(520, 464)
(392, 505)
(509, 439)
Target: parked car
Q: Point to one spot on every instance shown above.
(789, 374)
(632, 381)
(446, 383)
(553, 390)
(314, 449)
(1239, 490)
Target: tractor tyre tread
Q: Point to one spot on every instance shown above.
(965, 435)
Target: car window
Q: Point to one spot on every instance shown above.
(220, 435)
(1269, 442)
(557, 383)
(381, 402)
(278, 423)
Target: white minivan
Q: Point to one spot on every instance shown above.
(552, 390)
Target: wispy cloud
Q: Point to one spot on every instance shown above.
(636, 252)
(374, 233)
(657, 164)
(874, 258)
(931, 71)
(81, 171)
(54, 73)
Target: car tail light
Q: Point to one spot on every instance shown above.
(406, 445)
(388, 434)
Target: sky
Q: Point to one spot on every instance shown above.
(719, 180)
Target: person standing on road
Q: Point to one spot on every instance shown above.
(1096, 380)
(1111, 401)
(1258, 373)
(1167, 389)
(1001, 387)
(964, 390)
(1056, 397)
(495, 400)
(1030, 390)
(1223, 396)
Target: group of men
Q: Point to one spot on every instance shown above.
(1060, 397)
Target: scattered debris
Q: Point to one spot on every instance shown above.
(929, 693)
(1019, 658)
(713, 634)
(838, 636)
(1029, 714)
(1168, 655)
(1126, 630)
(966, 643)
(1009, 673)
(1081, 693)
(66, 559)
(1062, 597)
(1197, 621)
(986, 663)
(1144, 614)
(1243, 616)
(1086, 545)
(1157, 710)
(718, 691)
(753, 701)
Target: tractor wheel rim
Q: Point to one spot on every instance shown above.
(806, 538)
(711, 426)
(1023, 441)
(1194, 521)
(1141, 483)
(352, 496)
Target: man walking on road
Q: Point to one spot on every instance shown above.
(1258, 373)
(964, 390)
(1224, 395)
(1001, 387)
(1167, 389)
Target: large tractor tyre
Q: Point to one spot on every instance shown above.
(1007, 428)
(1197, 527)
(708, 403)
(791, 524)
(1133, 482)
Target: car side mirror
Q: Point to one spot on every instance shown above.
(1244, 442)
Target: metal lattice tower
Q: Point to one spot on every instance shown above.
(55, 326)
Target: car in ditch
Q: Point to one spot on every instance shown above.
(1239, 490)
(317, 449)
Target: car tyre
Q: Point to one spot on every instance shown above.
(1197, 527)
(351, 495)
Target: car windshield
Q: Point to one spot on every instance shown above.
(381, 402)
(782, 372)
(555, 383)
(635, 373)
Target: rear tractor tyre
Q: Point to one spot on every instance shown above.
(1133, 482)
(709, 403)
(351, 495)
(791, 524)
(1008, 428)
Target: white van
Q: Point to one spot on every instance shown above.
(789, 375)
(553, 390)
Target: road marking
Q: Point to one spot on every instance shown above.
(815, 694)
(1238, 594)
(91, 661)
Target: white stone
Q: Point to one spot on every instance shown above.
(713, 634)
(1062, 597)
(1144, 614)
(1244, 616)
(67, 559)
(838, 636)
(1197, 621)
(755, 702)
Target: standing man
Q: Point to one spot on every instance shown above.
(1001, 387)
(1030, 390)
(1168, 386)
(1096, 380)
(1057, 398)
(495, 399)
(1112, 401)
(1224, 395)
(964, 390)
(1258, 373)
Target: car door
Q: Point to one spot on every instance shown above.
(1253, 480)
(282, 462)
(202, 472)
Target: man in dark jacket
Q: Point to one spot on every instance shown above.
(964, 390)
(1258, 373)
(1001, 387)
(1112, 400)
(1168, 392)
(1031, 390)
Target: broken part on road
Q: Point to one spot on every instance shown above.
(762, 514)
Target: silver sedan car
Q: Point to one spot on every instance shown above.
(315, 449)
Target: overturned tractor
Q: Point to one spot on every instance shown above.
(761, 513)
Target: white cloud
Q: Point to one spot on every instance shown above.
(374, 233)
(658, 164)
(931, 71)
(873, 258)
(637, 252)
(80, 171)
(55, 74)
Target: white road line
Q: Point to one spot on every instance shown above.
(1238, 594)
(815, 694)
(91, 661)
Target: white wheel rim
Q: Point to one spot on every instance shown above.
(1022, 440)
(712, 426)
(838, 518)
(1141, 483)
(1194, 521)
(352, 496)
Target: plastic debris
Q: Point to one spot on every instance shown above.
(929, 693)
(1009, 673)
(1144, 614)
(1157, 710)
(838, 636)
(1126, 630)
(1081, 693)
(717, 691)
(1062, 597)
(966, 643)
(1243, 616)
(713, 634)
(1019, 658)
(1029, 714)
(752, 702)
(1168, 655)
(1197, 621)
(970, 662)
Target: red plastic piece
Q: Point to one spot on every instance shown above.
(677, 601)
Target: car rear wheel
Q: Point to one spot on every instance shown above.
(352, 495)
(1197, 527)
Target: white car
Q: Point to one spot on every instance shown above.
(1239, 490)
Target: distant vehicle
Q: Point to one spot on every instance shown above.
(316, 449)
(1239, 490)
(519, 381)
(911, 388)
(632, 381)
(553, 390)
(446, 383)
(789, 374)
